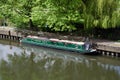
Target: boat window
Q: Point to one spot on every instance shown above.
(79, 47)
(29, 39)
(76, 46)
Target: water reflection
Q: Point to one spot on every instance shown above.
(36, 63)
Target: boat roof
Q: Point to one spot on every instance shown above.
(56, 40)
(67, 41)
(36, 37)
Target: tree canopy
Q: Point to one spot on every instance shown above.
(61, 15)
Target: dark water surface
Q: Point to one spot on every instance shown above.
(25, 62)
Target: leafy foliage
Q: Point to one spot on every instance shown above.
(102, 13)
(61, 15)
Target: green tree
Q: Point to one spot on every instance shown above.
(101, 13)
(61, 15)
(23, 10)
(66, 15)
(20, 11)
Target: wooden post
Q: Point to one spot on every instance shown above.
(9, 34)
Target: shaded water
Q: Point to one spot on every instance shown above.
(25, 62)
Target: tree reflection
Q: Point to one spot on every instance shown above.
(25, 67)
(45, 67)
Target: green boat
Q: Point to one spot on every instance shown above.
(58, 44)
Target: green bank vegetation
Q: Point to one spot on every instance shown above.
(61, 15)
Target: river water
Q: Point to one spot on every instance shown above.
(26, 62)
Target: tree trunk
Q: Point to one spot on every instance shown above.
(32, 26)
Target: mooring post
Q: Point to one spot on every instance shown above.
(116, 54)
(112, 53)
(9, 34)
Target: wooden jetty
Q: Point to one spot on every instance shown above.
(9, 33)
(109, 48)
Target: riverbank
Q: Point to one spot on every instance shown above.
(105, 47)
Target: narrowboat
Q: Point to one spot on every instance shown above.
(68, 45)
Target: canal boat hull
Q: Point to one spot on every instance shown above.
(57, 44)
